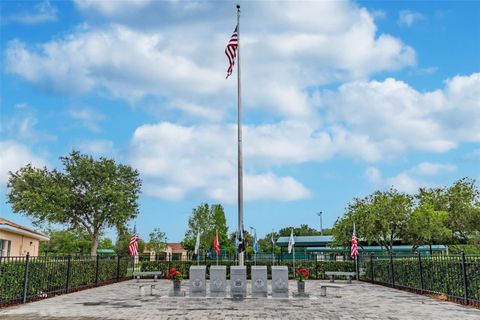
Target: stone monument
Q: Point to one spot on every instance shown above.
(218, 281)
(279, 282)
(238, 282)
(198, 287)
(259, 281)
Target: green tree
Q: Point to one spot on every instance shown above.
(66, 242)
(464, 209)
(207, 220)
(381, 218)
(157, 241)
(428, 226)
(89, 195)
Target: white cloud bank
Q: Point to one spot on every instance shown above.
(43, 12)
(14, 156)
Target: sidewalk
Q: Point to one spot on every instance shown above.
(123, 301)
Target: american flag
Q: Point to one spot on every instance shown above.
(231, 51)
(354, 247)
(216, 244)
(133, 246)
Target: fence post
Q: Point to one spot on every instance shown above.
(371, 267)
(420, 269)
(357, 266)
(465, 279)
(316, 268)
(118, 267)
(391, 269)
(96, 271)
(25, 278)
(69, 272)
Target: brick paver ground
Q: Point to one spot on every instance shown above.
(123, 301)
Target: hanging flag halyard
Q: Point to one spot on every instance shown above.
(231, 51)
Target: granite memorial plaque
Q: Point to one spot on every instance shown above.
(259, 281)
(218, 281)
(198, 287)
(238, 282)
(279, 282)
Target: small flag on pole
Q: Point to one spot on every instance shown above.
(197, 244)
(354, 244)
(231, 51)
(240, 242)
(216, 244)
(255, 243)
(291, 242)
(133, 246)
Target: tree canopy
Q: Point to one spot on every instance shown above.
(433, 215)
(207, 220)
(89, 194)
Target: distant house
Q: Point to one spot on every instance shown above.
(174, 251)
(17, 240)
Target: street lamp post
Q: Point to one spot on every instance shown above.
(321, 226)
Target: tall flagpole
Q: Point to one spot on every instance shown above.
(239, 128)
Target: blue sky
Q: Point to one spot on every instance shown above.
(340, 99)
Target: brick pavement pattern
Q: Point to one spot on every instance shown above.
(122, 301)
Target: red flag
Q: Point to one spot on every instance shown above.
(133, 246)
(216, 244)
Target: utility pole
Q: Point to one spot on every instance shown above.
(321, 226)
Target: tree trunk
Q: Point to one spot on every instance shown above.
(93, 251)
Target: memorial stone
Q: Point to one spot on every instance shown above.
(218, 281)
(259, 281)
(238, 282)
(198, 287)
(279, 282)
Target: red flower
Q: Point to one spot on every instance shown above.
(301, 274)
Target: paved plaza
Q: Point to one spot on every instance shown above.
(123, 301)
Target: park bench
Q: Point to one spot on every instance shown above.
(324, 286)
(332, 275)
(143, 286)
(139, 274)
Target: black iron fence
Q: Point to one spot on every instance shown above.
(315, 267)
(456, 277)
(29, 278)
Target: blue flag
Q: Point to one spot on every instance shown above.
(255, 243)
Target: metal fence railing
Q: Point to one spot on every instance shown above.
(456, 277)
(30, 278)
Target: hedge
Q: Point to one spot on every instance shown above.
(48, 275)
(316, 268)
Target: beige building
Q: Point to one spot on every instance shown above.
(17, 240)
(174, 251)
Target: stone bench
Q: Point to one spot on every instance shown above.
(143, 286)
(348, 275)
(139, 274)
(324, 286)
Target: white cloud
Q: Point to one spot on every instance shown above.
(177, 160)
(409, 180)
(43, 12)
(408, 18)
(313, 44)
(102, 148)
(374, 176)
(14, 156)
(394, 118)
(89, 118)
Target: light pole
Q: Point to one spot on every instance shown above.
(321, 227)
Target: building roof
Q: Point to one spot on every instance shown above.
(8, 225)
(404, 248)
(176, 246)
(305, 241)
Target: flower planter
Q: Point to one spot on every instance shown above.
(301, 286)
(176, 287)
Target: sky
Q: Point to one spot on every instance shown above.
(340, 98)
